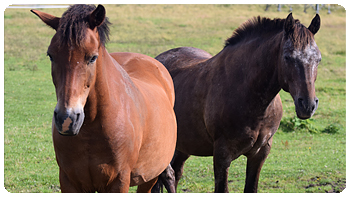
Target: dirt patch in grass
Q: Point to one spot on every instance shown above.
(316, 183)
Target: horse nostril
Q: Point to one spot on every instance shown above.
(315, 105)
(55, 115)
(78, 115)
(300, 102)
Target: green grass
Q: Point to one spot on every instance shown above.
(294, 161)
(300, 160)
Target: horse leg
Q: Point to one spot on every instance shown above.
(222, 162)
(121, 183)
(146, 187)
(65, 184)
(254, 165)
(225, 151)
(166, 178)
(158, 187)
(177, 164)
(173, 170)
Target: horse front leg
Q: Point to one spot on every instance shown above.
(221, 167)
(254, 165)
(66, 185)
(225, 151)
(222, 162)
(146, 187)
(121, 183)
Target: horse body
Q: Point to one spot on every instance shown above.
(228, 105)
(213, 105)
(224, 126)
(113, 125)
(156, 89)
(120, 146)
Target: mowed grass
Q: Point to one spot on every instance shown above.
(300, 161)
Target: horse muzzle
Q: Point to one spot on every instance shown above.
(305, 107)
(69, 122)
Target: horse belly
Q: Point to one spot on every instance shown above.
(155, 154)
(158, 142)
(196, 147)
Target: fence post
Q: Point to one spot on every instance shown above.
(317, 8)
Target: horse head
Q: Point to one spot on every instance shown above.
(74, 52)
(299, 61)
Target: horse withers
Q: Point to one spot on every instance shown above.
(114, 125)
(228, 105)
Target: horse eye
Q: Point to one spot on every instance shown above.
(287, 58)
(93, 59)
(50, 57)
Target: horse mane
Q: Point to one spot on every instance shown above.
(75, 21)
(258, 26)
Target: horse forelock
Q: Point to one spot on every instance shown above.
(73, 25)
(301, 37)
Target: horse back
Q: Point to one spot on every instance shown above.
(182, 57)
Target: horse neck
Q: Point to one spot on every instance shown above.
(110, 80)
(254, 66)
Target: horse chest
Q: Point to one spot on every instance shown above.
(91, 161)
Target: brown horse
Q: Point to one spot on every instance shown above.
(114, 125)
(228, 105)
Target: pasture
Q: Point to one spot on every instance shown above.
(306, 156)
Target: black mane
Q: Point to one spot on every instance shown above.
(75, 21)
(260, 26)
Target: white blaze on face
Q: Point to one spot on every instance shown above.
(66, 123)
(309, 55)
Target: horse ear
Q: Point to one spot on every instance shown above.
(48, 19)
(97, 17)
(289, 24)
(315, 24)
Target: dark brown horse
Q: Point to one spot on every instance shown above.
(114, 125)
(228, 105)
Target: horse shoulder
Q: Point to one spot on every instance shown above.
(273, 115)
(143, 69)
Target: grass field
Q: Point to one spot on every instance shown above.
(306, 156)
